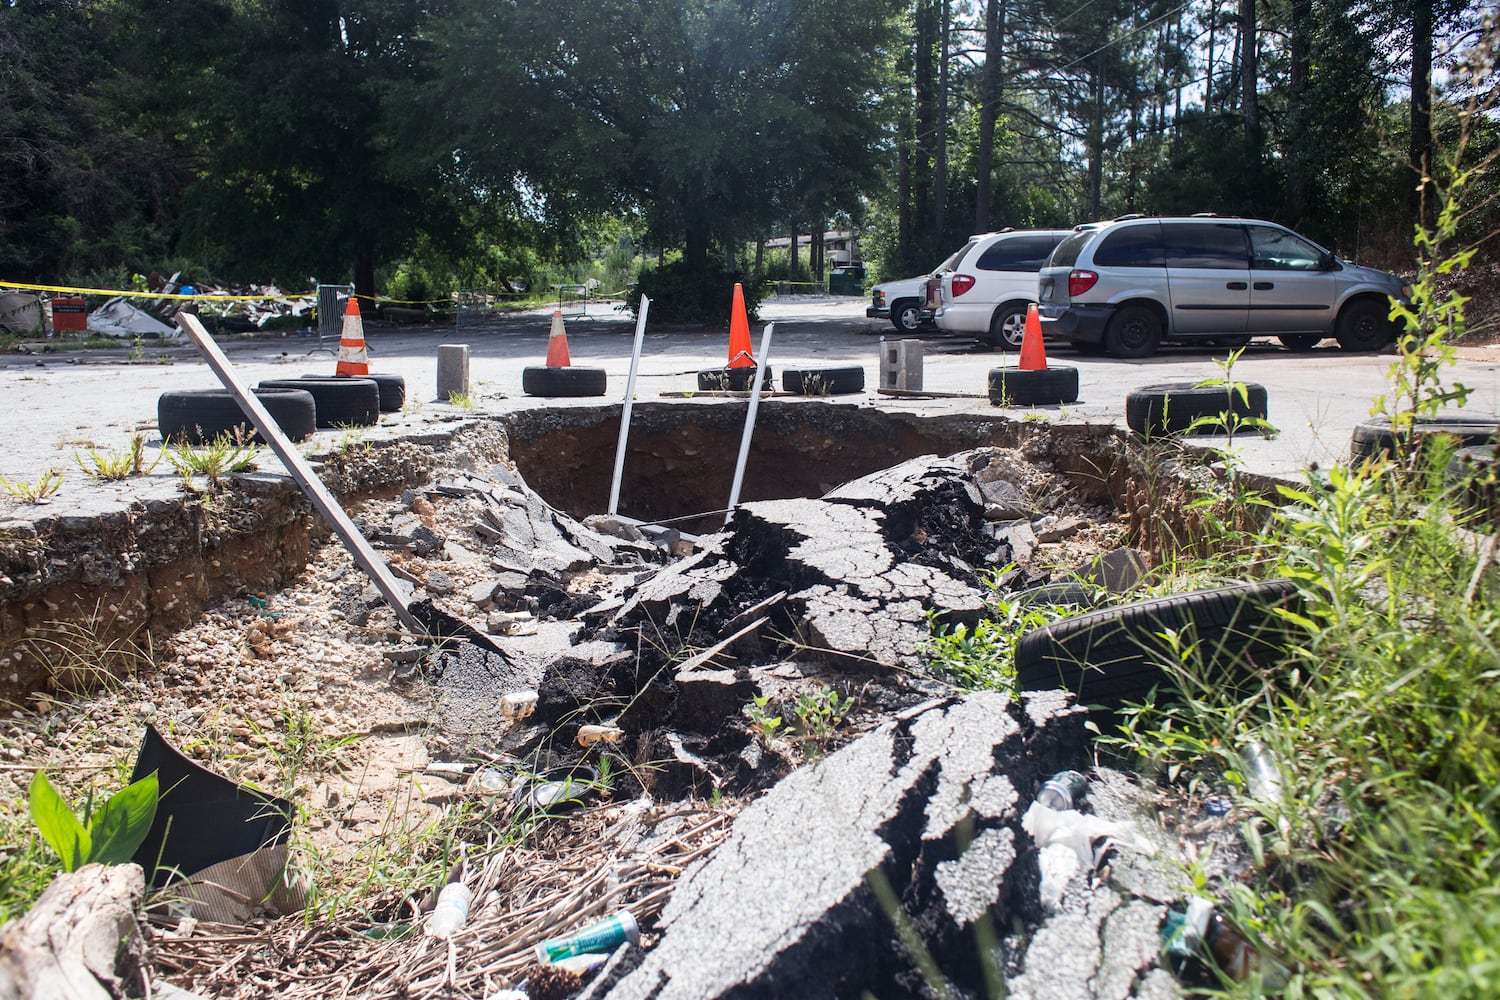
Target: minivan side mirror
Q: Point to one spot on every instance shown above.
(1327, 262)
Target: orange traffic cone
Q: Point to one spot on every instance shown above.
(352, 357)
(1033, 354)
(740, 355)
(557, 343)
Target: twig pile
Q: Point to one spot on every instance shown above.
(579, 872)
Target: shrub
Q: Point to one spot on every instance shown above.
(681, 294)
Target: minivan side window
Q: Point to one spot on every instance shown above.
(1066, 254)
(1131, 246)
(1194, 244)
(1021, 253)
(1279, 250)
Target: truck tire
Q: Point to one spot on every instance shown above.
(823, 381)
(731, 380)
(198, 416)
(346, 401)
(392, 388)
(1117, 655)
(1034, 387)
(1171, 408)
(539, 380)
(1378, 437)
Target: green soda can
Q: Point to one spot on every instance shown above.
(604, 936)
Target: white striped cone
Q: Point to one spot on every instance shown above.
(352, 357)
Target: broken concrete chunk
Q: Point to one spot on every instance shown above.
(768, 914)
(425, 541)
(438, 582)
(1004, 501)
(1057, 529)
(1117, 571)
(481, 593)
(613, 526)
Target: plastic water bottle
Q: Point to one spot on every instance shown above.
(451, 912)
(1063, 790)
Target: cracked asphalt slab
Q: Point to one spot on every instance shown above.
(63, 401)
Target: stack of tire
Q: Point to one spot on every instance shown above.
(299, 406)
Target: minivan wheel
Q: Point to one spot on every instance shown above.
(906, 316)
(1299, 342)
(1364, 325)
(1008, 326)
(1134, 332)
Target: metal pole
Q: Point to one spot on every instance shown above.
(364, 554)
(760, 377)
(635, 364)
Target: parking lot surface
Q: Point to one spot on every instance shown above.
(61, 401)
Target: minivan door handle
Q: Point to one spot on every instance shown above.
(1264, 286)
(1236, 286)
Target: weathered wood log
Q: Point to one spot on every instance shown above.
(80, 941)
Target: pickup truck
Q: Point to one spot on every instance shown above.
(902, 302)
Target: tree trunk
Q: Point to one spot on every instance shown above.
(80, 941)
(760, 256)
(989, 100)
(1297, 159)
(1249, 76)
(364, 280)
(1420, 154)
(924, 87)
(1208, 72)
(1096, 143)
(940, 155)
(695, 248)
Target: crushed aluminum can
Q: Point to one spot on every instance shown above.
(518, 704)
(589, 735)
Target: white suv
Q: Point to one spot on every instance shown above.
(985, 287)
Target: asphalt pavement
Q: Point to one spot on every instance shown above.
(58, 402)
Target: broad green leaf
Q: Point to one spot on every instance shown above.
(122, 823)
(58, 826)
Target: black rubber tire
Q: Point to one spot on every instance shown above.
(1036, 387)
(1375, 437)
(823, 381)
(539, 380)
(1474, 476)
(732, 380)
(346, 401)
(392, 388)
(1117, 654)
(198, 416)
(1133, 332)
(1365, 325)
(1008, 326)
(906, 315)
(1300, 343)
(1170, 408)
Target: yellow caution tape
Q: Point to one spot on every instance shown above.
(199, 297)
(116, 293)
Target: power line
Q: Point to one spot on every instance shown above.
(1110, 44)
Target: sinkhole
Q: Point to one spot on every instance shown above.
(680, 458)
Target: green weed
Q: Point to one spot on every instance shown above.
(33, 492)
(110, 465)
(225, 455)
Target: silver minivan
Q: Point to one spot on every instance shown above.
(1125, 286)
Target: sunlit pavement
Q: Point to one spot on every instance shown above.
(61, 401)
